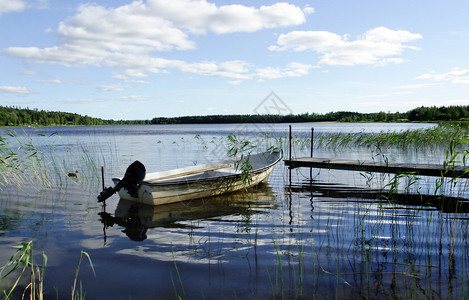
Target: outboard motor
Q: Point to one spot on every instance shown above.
(131, 181)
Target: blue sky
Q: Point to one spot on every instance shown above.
(145, 59)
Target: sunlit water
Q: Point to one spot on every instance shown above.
(304, 234)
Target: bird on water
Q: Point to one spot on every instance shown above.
(73, 174)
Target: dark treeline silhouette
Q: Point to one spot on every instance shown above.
(443, 113)
(421, 114)
(15, 116)
(340, 116)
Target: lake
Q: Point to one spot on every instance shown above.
(304, 234)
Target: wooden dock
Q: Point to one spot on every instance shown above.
(381, 167)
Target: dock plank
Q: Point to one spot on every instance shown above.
(381, 167)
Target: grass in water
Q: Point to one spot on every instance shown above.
(405, 140)
(38, 160)
(21, 264)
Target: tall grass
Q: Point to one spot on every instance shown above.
(22, 264)
(20, 161)
(429, 138)
(45, 161)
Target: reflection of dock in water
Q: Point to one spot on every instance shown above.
(138, 218)
(331, 190)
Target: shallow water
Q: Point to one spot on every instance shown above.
(321, 234)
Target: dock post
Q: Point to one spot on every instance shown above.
(289, 155)
(312, 140)
(102, 176)
(312, 144)
(289, 142)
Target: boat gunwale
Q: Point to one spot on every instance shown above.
(222, 176)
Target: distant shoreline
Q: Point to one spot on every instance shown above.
(20, 117)
(318, 122)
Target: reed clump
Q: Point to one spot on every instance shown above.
(20, 161)
(21, 264)
(37, 161)
(406, 140)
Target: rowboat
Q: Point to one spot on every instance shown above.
(195, 182)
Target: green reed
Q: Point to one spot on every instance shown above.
(14, 160)
(36, 161)
(408, 139)
(241, 149)
(80, 294)
(21, 263)
(279, 274)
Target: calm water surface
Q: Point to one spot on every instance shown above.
(303, 234)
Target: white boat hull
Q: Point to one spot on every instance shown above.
(195, 184)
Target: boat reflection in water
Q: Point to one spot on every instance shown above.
(138, 218)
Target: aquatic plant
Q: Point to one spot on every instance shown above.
(184, 296)
(80, 294)
(22, 262)
(405, 140)
(35, 160)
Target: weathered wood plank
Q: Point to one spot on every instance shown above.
(381, 167)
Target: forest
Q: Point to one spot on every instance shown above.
(420, 114)
(16, 116)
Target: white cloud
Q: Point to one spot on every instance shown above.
(236, 69)
(384, 95)
(113, 87)
(308, 10)
(456, 75)
(130, 73)
(130, 28)
(235, 82)
(386, 61)
(14, 90)
(292, 70)
(110, 36)
(129, 36)
(200, 16)
(132, 98)
(377, 46)
(31, 72)
(8, 6)
(414, 86)
(51, 81)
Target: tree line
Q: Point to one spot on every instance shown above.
(15, 116)
(420, 114)
(340, 116)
